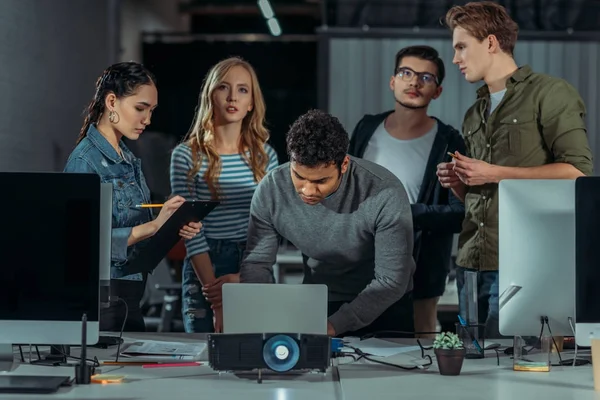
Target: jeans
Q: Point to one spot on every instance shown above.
(487, 299)
(226, 257)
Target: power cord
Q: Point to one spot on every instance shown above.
(122, 327)
(510, 350)
(375, 334)
(367, 356)
(574, 362)
(572, 325)
(398, 333)
(95, 362)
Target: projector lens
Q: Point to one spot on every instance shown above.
(281, 353)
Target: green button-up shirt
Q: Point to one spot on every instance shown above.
(540, 120)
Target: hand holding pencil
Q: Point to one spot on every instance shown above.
(167, 209)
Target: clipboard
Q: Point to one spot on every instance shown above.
(156, 248)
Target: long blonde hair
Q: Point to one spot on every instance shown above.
(201, 137)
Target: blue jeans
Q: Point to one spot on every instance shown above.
(226, 257)
(487, 299)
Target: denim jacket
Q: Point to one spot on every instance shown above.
(95, 155)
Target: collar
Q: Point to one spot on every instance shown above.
(519, 75)
(105, 148)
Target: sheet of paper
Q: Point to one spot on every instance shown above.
(382, 348)
(164, 350)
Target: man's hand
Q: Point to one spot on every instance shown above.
(447, 176)
(213, 293)
(474, 172)
(218, 320)
(330, 330)
(450, 179)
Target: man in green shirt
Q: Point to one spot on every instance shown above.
(523, 125)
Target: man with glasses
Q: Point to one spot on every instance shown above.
(411, 144)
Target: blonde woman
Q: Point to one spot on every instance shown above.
(223, 157)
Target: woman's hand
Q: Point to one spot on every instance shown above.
(167, 210)
(190, 230)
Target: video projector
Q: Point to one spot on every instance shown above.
(278, 352)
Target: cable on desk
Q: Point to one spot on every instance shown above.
(94, 361)
(495, 348)
(367, 356)
(571, 324)
(400, 333)
(574, 362)
(122, 327)
(508, 351)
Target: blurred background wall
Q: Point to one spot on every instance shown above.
(331, 54)
(50, 55)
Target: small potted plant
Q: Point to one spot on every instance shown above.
(449, 352)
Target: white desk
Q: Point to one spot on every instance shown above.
(195, 383)
(480, 379)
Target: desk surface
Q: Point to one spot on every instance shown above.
(479, 379)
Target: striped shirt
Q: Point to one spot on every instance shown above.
(236, 184)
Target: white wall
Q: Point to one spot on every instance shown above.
(360, 69)
(139, 16)
(51, 53)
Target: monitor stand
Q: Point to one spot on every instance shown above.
(508, 294)
(57, 357)
(6, 357)
(104, 342)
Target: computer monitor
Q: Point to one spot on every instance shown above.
(49, 265)
(106, 202)
(587, 260)
(536, 256)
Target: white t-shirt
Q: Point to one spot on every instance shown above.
(407, 159)
(496, 98)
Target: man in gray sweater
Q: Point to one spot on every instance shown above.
(351, 220)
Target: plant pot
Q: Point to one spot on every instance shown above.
(450, 361)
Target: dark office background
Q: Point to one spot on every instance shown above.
(52, 52)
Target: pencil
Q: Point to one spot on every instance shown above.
(452, 155)
(126, 362)
(148, 205)
(188, 364)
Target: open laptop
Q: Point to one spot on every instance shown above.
(274, 308)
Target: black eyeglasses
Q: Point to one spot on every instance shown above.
(424, 78)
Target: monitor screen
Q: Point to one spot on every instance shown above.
(49, 246)
(587, 250)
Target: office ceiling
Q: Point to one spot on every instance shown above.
(244, 16)
(247, 7)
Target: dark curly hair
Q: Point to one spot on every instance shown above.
(317, 138)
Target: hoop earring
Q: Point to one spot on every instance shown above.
(113, 117)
